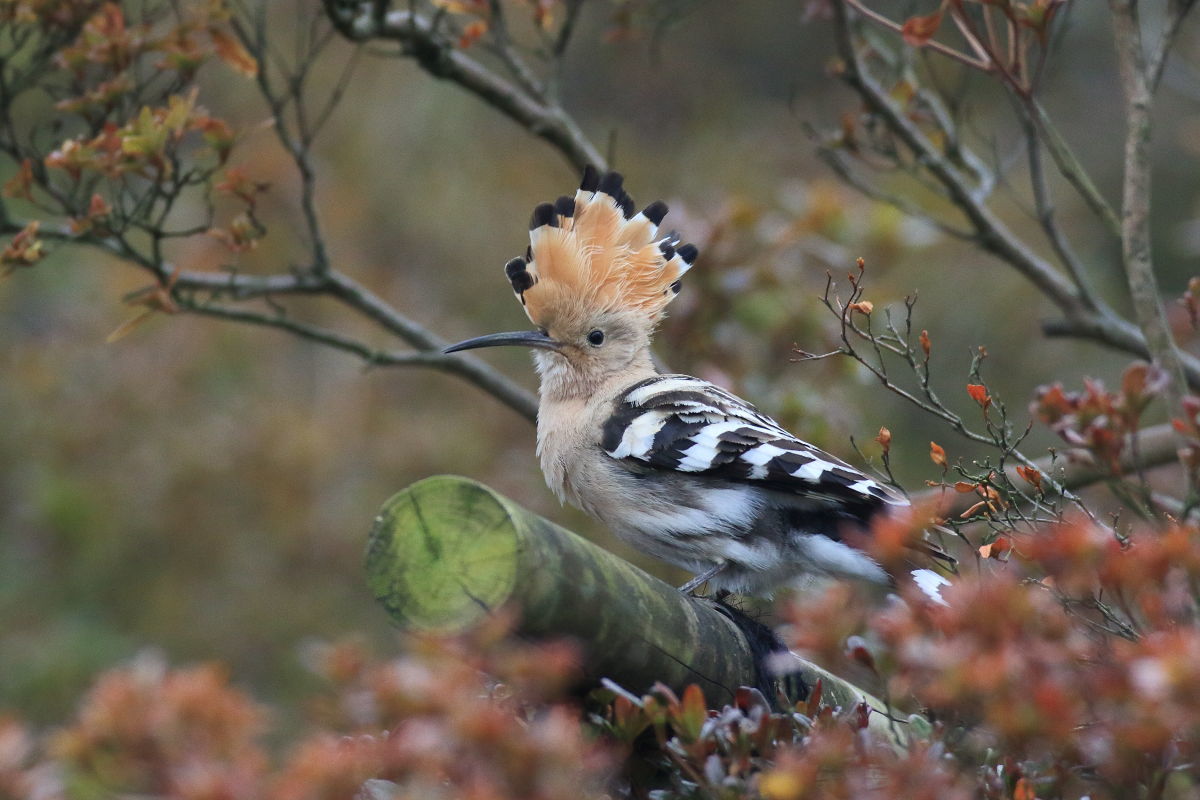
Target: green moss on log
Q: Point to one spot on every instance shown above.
(447, 550)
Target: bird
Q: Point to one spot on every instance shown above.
(674, 465)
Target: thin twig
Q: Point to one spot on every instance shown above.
(1156, 446)
(312, 333)
(420, 40)
(1071, 169)
(1044, 204)
(993, 235)
(932, 44)
(1177, 10)
(524, 405)
(902, 204)
(1099, 324)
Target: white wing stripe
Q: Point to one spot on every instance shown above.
(676, 422)
(638, 397)
(710, 434)
(863, 486)
(813, 470)
(706, 446)
(759, 456)
(638, 438)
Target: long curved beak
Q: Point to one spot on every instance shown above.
(518, 338)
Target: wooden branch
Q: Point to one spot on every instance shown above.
(1044, 203)
(1136, 255)
(1080, 318)
(1070, 167)
(1156, 59)
(1135, 207)
(447, 551)
(992, 234)
(215, 286)
(538, 114)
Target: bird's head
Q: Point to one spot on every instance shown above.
(595, 281)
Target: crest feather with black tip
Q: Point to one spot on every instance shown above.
(591, 251)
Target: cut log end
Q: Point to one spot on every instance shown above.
(442, 554)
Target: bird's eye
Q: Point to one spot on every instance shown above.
(596, 338)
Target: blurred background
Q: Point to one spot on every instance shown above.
(206, 489)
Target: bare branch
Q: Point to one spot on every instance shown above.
(502, 45)
(1044, 204)
(1083, 316)
(993, 235)
(1070, 168)
(1156, 446)
(354, 295)
(898, 342)
(313, 333)
(295, 144)
(1135, 206)
(230, 285)
(487, 380)
(419, 39)
(1177, 10)
(902, 204)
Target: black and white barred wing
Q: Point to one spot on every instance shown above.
(680, 423)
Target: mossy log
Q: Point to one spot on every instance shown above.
(447, 550)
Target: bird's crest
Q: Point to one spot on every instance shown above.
(593, 251)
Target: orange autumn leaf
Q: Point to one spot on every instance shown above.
(917, 31)
(692, 711)
(24, 250)
(925, 343)
(962, 487)
(997, 549)
(1031, 475)
(472, 33)
(863, 306)
(1024, 790)
(130, 325)
(543, 14)
(979, 394)
(937, 455)
(885, 439)
(970, 512)
(98, 207)
(153, 299)
(231, 51)
(21, 184)
(813, 705)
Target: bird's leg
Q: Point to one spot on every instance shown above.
(708, 574)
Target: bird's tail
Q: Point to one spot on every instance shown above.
(931, 584)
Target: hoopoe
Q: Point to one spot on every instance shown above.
(676, 466)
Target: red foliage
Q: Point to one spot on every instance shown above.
(1096, 422)
(479, 718)
(1079, 658)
